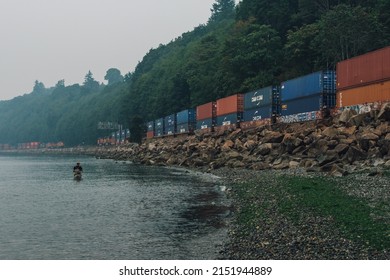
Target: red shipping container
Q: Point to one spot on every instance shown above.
(365, 69)
(230, 104)
(205, 111)
(379, 92)
(150, 134)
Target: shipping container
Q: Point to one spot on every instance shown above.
(206, 111)
(312, 84)
(257, 114)
(186, 128)
(304, 109)
(170, 130)
(230, 104)
(205, 124)
(300, 105)
(159, 127)
(170, 120)
(260, 97)
(186, 116)
(365, 69)
(229, 119)
(159, 132)
(150, 134)
(150, 126)
(159, 124)
(378, 92)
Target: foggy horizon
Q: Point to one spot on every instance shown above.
(49, 40)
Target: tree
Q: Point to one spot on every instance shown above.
(344, 32)
(113, 76)
(90, 85)
(299, 51)
(39, 87)
(222, 9)
(252, 56)
(60, 84)
(137, 129)
(279, 14)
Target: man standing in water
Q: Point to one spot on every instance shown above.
(77, 171)
(77, 168)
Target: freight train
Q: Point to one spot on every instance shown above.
(362, 81)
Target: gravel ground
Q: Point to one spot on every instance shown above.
(270, 234)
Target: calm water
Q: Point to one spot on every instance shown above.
(118, 211)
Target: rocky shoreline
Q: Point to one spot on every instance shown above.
(336, 146)
(271, 233)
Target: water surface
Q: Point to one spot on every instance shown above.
(118, 211)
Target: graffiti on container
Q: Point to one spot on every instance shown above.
(301, 117)
(226, 123)
(362, 108)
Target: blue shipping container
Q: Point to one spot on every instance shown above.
(259, 98)
(159, 124)
(159, 132)
(185, 128)
(186, 116)
(170, 120)
(312, 84)
(257, 114)
(170, 130)
(229, 119)
(301, 105)
(203, 124)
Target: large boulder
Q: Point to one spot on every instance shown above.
(384, 113)
(355, 154)
(346, 115)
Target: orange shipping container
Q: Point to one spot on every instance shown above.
(205, 111)
(372, 67)
(230, 104)
(378, 92)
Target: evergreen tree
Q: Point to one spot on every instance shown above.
(222, 9)
(90, 84)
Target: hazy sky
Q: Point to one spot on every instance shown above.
(51, 40)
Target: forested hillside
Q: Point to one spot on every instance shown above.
(256, 44)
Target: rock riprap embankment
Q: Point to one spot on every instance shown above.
(338, 146)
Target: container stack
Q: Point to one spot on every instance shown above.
(364, 79)
(170, 124)
(186, 121)
(230, 111)
(150, 130)
(206, 115)
(159, 127)
(259, 106)
(304, 98)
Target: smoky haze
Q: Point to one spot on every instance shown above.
(51, 40)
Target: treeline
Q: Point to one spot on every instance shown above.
(241, 48)
(63, 113)
(256, 44)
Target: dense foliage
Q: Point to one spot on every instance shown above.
(252, 45)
